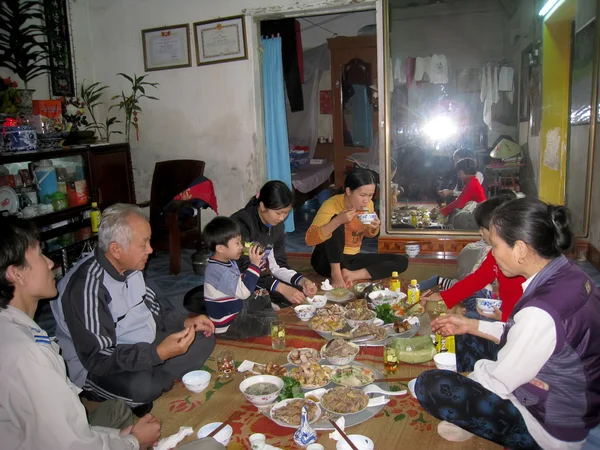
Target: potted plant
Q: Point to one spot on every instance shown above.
(91, 96)
(131, 103)
(22, 49)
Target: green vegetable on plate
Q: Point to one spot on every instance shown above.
(385, 313)
(291, 389)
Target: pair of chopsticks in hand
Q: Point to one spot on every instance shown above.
(433, 290)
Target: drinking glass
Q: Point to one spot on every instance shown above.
(278, 335)
(390, 360)
(225, 364)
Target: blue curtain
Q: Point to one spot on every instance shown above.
(278, 152)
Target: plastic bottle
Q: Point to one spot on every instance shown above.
(95, 217)
(395, 284)
(413, 292)
(445, 343)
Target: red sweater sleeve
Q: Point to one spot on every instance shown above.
(471, 283)
(473, 192)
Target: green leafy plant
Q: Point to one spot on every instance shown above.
(130, 104)
(91, 96)
(22, 48)
(291, 389)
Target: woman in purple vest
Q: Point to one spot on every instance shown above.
(543, 390)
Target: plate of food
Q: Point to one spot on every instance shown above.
(381, 334)
(270, 369)
(386, 297)
(404, 311)
(311, 375)
(404, 329)
(340, 352)
(288, 413)
(331, 309)
(353, 376)
(301, 355)
(344, 400)
(339, 295)
(327, 323)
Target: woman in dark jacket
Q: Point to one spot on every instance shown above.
(261, 221)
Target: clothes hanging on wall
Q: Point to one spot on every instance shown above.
(286, 29)
(495, 78)
(362, 117)
(422, 67)
(506, 82)
(439, 70)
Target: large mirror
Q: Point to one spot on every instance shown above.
(453, 115)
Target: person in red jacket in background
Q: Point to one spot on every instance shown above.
(470, 349)
(472, 192)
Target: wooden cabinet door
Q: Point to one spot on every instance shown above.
(343, 50)
(111, 177)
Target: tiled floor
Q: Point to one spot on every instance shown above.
(303, 217)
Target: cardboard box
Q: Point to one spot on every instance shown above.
(47, 115)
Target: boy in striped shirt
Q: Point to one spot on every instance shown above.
(238, 308)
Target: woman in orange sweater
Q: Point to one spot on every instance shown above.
(337, 234)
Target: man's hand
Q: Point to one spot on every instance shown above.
(291, 294)
(453, 324)
(255, 254)
(200, 323)
(147, 431)
(176, 344)
(346, 216)
(308, 287)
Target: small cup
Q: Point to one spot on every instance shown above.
(315, 447)
(258, 441)
(390, 359)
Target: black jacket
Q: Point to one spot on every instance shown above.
(254, 230)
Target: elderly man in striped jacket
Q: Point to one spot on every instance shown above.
(117, 340)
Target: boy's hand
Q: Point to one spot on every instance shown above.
(256, 254)
(200, 323)
(308, 287)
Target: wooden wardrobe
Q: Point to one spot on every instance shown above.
(353, 74)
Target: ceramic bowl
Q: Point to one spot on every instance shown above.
(257, 441)
(361, 443)
(261, 400)
(196, 381)
(355, 323)
(412, 250)
(222, 437)
(318, 301)
(445, 361)
(487, 304)
(340, 360)
(386, 296)
(305, 312)
(367, 218)
(21, 138)
(411, 387)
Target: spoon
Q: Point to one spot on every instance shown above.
(372, 389)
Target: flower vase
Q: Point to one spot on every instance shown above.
(26, 97)
(305, 435)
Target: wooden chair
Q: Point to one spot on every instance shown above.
(169, 179)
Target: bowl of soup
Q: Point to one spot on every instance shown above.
(261, 390)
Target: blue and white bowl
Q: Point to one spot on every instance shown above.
(305, 312)
(22, 138)
(367, 218)
(486, 305)
(412, 250)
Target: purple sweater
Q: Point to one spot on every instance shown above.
(565, 395)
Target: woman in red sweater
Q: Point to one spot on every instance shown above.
(472, 192)
(470, 349)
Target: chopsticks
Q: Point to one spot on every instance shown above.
(344, 435)
(234, 416)
(433, 290)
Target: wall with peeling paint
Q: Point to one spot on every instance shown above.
(208, 113)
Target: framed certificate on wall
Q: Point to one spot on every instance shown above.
(167, 47)
(220, 40)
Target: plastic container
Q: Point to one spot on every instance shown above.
(95, 217)
(45, 176)
(395, 284)
(413, 292)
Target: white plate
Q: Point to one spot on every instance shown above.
(285, 402)
(344, 414)
(349, 296)
(341, 369)
(8, 200)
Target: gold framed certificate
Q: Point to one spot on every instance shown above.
(167, 47)
(220, 40)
